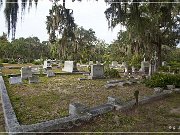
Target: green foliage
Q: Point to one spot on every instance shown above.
(5, 60)
(37, 62)
(111, 73)
(161, 80)
(12, 61)
(174, 67)
(136, 60)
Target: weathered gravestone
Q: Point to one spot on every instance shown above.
(91, 63)
(50, 73)
(47, 64)
(33, 79)
(97, 71)
(164, 63)
(35, 70)
(15, 80)
(151, 69)
(70, 66)
(145, 67)
(26, 72)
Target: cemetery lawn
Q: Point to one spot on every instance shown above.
(157, 116)
(50, 98)
(13, 68)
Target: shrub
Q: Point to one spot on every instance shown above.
(36, 62)
(5, 60)
(111, 73)
(12, 61)
(161, 80)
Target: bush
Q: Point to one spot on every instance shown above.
(37, 62)
(12, 61)
(5, 60)
(161, 80)
(111, 73)
(1, 65)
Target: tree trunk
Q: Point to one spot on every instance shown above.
(159, 48)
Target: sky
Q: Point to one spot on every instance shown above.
(89, 14)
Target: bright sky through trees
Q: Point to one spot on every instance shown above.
(89, 14)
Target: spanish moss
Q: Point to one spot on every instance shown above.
(11, 13)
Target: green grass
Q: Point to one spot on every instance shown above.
(154, 117)
(51, 97)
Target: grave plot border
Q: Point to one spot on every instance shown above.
(14, 127)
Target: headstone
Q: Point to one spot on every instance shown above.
(90, 62)
(97, 71)
(70, 66)
(133, 69)
(50, 73)
(170, 87)
(151, 69)
(15, 80)
(47, 64)
(145, 67)
(35, 70)
(158, 90)
(33, 79)
(164, 63)
(114, 63)
(26, 72)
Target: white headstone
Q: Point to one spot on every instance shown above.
(69, 66)
(15, 80)
(90, 62)
(50, 73)
(26, 72)
(33, 79)
(164, 63)
(35, 70)
(47, 64)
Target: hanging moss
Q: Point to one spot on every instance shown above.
(11, 13)
(1, 3)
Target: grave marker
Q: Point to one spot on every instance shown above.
(50, 73)
(97, 71)
(26, 72)
(70, 66)
(33, 79)
(15, 80)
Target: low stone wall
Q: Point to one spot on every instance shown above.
(78, 113)
(12, 124)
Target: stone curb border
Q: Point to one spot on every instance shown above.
(75, 119)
